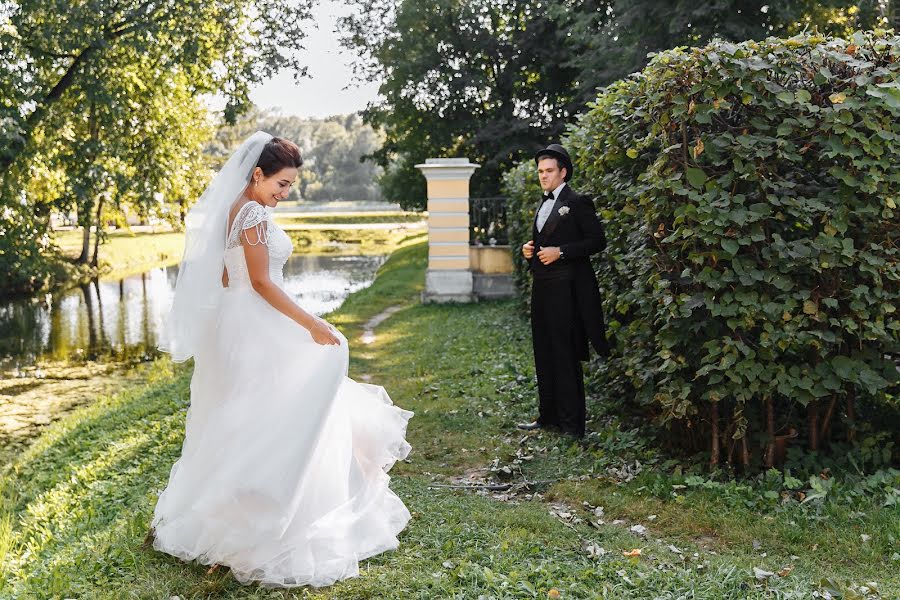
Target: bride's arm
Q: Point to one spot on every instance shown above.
(257, 256)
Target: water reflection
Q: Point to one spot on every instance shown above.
(120, 320)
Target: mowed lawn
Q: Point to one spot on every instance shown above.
(600, 518)
(125, 253)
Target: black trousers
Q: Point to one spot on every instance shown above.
(559, 374)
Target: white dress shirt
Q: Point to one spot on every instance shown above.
(547, 206)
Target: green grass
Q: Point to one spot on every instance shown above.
(77, 503)
(125, 253)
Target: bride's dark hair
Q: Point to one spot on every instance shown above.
(279, 154)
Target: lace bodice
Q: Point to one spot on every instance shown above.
(255, 216)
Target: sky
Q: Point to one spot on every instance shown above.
(322, 94)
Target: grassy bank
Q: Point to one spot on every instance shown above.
(125, 253)
(76, 504)
(40, 395)
(129, 253)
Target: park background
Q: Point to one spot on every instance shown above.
(743, 433)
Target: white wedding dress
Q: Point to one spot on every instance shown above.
(283, 471)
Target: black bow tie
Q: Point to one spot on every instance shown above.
(549, 196)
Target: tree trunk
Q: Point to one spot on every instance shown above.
(85, 240)
(770, 432)
(812, 411)
(94, 260)
(851, 411)
(714, 419)
(745, 453)
(86, 204)
(728, 440)
(826, 422)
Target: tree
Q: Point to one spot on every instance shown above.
(494, 81)
(474, 78)
(613, 38)
(332, 149)
(102, 98)
(53, 49)
(153, 170)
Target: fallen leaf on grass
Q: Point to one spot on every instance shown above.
(553, 593)
(632, 553)
(639, 529)
(786, 571)
(594, 550)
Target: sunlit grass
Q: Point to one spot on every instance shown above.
(125, 253)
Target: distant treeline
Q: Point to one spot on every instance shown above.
(333, 149)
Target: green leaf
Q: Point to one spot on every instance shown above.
(786, 97)
(844, 367)
(696, 177)
(730, 246)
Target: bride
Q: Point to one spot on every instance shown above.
(283, 471)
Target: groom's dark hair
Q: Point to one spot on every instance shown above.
(560, 164)
(279, 154)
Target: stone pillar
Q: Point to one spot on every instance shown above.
(448, 278)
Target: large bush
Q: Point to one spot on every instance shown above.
(750, 198)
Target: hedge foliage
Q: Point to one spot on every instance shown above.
(750, 194)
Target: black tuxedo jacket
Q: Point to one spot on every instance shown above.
(573, 226)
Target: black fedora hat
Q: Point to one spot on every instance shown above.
(556, 151)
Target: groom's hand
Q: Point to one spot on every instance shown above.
(528, 249)
(548, 255)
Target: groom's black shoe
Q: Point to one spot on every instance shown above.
(531, 426)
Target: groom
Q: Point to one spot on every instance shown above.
(565, 299)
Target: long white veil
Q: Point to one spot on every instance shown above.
(198, 289)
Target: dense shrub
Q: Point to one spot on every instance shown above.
(27, 261)
(750, 198)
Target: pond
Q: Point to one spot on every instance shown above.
(121, 320)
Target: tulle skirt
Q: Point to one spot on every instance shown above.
(283, 471)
